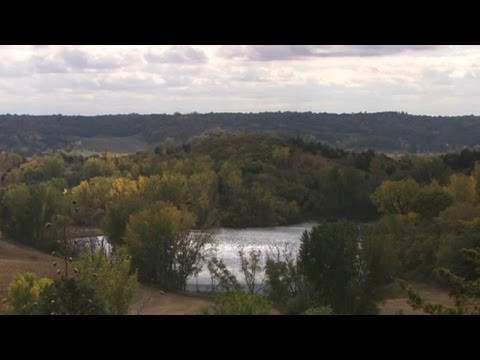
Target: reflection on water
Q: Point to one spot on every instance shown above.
(228, 242)
(94, 243)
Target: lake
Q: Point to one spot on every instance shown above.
(228, 241)
(264, 239)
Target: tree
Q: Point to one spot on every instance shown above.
(162, 248)
(27, 210)
(250, 267)
(344, 193)
(396, 197)
(118, 211)
(52, 167)
(463, 188)
(341, 266)
(94, 167)
(222, 278)
(431, 200)
(425, 169)
(285, 283)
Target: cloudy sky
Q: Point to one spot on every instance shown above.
(89, 80)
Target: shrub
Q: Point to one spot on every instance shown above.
(24, 292)
(240, 303)
(111, 278)
(70, 297)
(322, 310)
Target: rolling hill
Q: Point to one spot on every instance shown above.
(386, 131)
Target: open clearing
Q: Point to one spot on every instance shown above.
(428, 292)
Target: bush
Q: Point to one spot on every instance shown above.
(111, 278)
(70, 297)
(24, 292)
(322, 310)
(240, 303)
(296, 305)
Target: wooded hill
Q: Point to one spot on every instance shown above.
(387, 131)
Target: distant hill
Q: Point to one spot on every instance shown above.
(386, 131)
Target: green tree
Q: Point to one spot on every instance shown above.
(431, 200)
(27, 210)
(426, 169)
(111, 278)
(94, 167)
(341, 266)
(162, 247)
(118, 211)
(285, 283)
(250, 267)
(53, 167)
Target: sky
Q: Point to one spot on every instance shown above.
(157, 79)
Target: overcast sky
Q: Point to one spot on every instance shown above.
(89, 80)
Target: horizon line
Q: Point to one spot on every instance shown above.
(178, 113)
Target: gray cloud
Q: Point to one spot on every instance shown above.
(48, 65)
(158, 79)
(292, 52)
(176, 55)
(79, 59)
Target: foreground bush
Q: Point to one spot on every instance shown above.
(70, 297)
(24, 292)
(322, 310)
(111, 278)
(240, 303)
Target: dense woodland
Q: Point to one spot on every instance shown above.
(387, 132)
(381, 218)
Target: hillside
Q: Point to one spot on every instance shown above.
(387, 131)
(15, 258)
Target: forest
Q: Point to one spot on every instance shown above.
(382, 220)
(391, 132)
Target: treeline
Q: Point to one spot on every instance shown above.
(422, 212)
(386, 131)
(234, 180)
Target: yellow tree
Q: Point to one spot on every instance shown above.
(396, 197)
(463, 188)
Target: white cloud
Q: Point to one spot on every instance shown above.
(158, 79)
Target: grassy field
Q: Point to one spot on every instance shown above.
(16, 259)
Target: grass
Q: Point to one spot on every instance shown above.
(398, 304)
